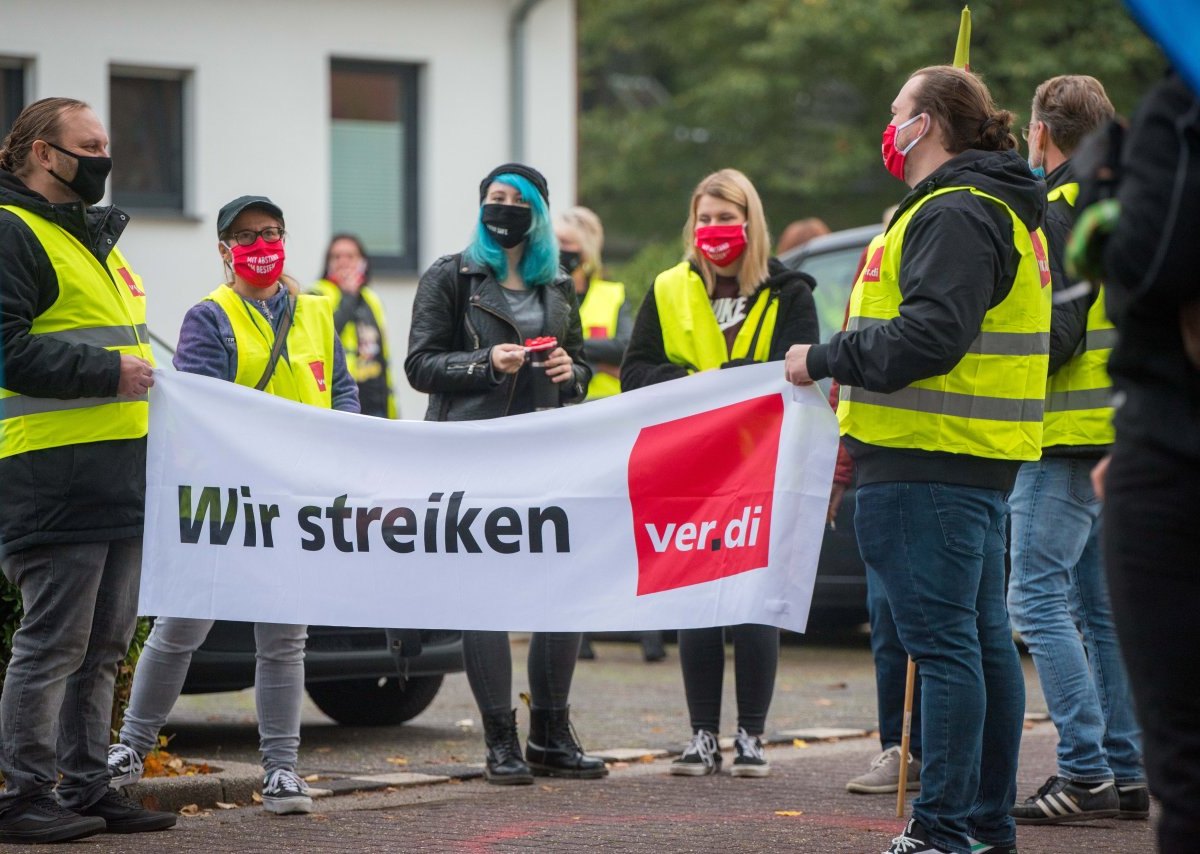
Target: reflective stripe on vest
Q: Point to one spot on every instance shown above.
(598, 315)
(98, 305)
(691, 336)
(1079, 395)
(349, 337)
(304, 371)
(992, 402)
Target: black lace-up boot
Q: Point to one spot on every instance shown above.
(505, 765)
(554, 751)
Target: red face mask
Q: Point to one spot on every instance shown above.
(260, 264)
(721, 244)
(893, 158)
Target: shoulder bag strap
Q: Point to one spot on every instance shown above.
(285, 325)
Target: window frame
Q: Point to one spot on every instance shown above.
(16, 87)
(408, 75)
(173, 204)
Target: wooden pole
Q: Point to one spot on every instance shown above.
(910, 679)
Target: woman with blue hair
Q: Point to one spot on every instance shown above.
(471, 316)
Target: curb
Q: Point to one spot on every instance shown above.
(238, 782)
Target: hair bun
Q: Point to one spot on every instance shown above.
(995, 132)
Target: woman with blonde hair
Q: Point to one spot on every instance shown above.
(728, 303)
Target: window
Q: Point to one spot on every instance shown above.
(147, 130)
(12, 93)
(373, 153)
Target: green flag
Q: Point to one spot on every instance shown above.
(962, 50)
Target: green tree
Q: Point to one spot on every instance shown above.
(796, 94)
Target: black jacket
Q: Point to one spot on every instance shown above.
(1152, 260)
(1068, 321)
(459, 313)
(959, 261)
(646, 361)
(77, 493)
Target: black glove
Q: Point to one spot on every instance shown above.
(737, 363)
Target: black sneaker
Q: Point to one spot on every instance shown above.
(46, 820)
(285, 793)
(122, 815)
(701, 757)
(1134, 800)
(1061, 800)
(914, 840)
(750, 760)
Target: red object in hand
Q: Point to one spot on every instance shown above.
(541, 345)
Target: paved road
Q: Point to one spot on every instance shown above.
(801, 807)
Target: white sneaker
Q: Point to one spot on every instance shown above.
(284, 793)
(124, 766)
(750, 760)
(702, 756)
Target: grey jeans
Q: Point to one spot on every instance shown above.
(278, 685)
(80, 604)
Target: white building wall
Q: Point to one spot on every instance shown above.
(258, 121)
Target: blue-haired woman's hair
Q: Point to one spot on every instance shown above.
(539, 261)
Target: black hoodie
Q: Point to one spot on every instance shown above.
(646, 361)
(75, 493)
(959, 261)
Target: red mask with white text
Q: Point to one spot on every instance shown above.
(721, 244)
(260, 264)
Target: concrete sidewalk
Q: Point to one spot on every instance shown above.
(801, 807)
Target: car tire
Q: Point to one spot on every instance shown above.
(375, 702)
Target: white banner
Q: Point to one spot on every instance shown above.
(698, 502)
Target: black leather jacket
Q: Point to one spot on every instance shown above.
(459, 313)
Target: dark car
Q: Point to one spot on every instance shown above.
(840, 595)
(361, 677)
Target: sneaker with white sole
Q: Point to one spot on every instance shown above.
(124, 766)
(284, 793)
(1061, 800)
(884, 775)
(750, 760)
(914, 840)
(702, 756)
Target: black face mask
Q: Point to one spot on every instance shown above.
(569, 260)
(89, 179)
(507, 224)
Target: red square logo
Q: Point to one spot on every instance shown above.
(870, 272)
(701, 489)
(130, 283)
(597, 332)
(318, 369)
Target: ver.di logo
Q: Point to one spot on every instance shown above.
(701, 489)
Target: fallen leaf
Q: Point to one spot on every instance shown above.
(317, 816)
(646, 758)
(397, 760)
(549, 789)
(312, 778)
(454, 781)
(799, 742)
(821, 701)
(619, 765)
(256, 797)
(789, 812)
(221, 805)
(465, 723)
(190, 809)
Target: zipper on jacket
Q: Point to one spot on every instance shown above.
(512, 388)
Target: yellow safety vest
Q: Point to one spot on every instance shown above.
(990, 404)
(349, 336)
(304, 371)
(1079, 396)
(598, 315)
(102, 305)
(691, 336)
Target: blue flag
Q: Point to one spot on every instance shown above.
(1175, 25)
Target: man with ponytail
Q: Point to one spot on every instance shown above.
(73, 423)
(943, 374)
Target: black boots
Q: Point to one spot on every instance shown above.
(505, 765)
(553, 750)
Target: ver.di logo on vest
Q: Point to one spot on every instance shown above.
(701, 490)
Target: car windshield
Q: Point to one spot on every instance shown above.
(834, 272)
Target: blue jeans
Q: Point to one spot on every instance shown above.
(891, 670)
(939, 549)
(1059, 603)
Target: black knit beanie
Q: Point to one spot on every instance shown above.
(535, 177)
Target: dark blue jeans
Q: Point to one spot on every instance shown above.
(939, 549)
(891, 669)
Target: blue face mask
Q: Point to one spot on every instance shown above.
(1038, 172)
